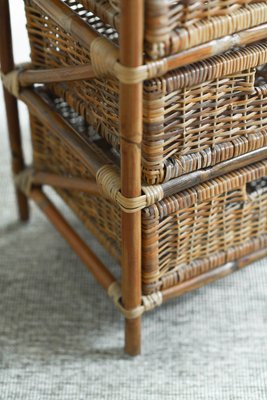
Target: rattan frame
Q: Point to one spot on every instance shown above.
(175, 105)
(132, 73)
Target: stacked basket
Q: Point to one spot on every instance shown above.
(203, 151)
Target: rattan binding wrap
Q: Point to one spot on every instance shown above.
(194, 117)
(183, 235)
(173, 26)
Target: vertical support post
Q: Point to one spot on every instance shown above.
(131, 127)
(7, 65)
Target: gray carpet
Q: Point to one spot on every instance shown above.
(61, 338)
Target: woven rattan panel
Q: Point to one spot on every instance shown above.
(184, 234)
(52, 155)
(175, 25)
(194, 117)
(204, 227)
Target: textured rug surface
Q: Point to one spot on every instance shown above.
(61, 338)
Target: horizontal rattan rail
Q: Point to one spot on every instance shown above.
(213, 275)
(173, 26)
(108, 281)
(29, 178)
(27, 77)
(175, 186)
(167, 293)
(219, 204)
(231, 184)
(105, 55)
(193, 118)
(101, 167)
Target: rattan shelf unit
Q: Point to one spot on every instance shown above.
(193, 117)
(164, 162)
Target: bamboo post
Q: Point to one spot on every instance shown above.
(64, 182)
(131, 55)
(7, 65)
(60, 74)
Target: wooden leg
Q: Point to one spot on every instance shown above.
(131, 109)
(131, 279)
(7, 64)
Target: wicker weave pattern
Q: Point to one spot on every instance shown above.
(188, 125)
(172, 26)
(96, 100)
(183, 235)
(50, 155)
(194, 117)
(203, 227)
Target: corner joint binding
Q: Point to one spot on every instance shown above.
(25, 180)
(11, 79)
(149, 302)
(109, 183)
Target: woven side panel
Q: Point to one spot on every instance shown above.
(99, 215)
(96, 100)
(204, 227)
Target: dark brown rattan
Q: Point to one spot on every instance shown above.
(183, 235)
(193, 118)
(173, 26)
(50, 154)
(204, 125)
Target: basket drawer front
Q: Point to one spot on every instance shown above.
(194, 117)
(98, 214)
(173, 26)
(207, 226)
(192, 123)
(183, 235)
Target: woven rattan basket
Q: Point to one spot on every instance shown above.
(163, 159)
(193, 117)
(176, 25)
(183, 235)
